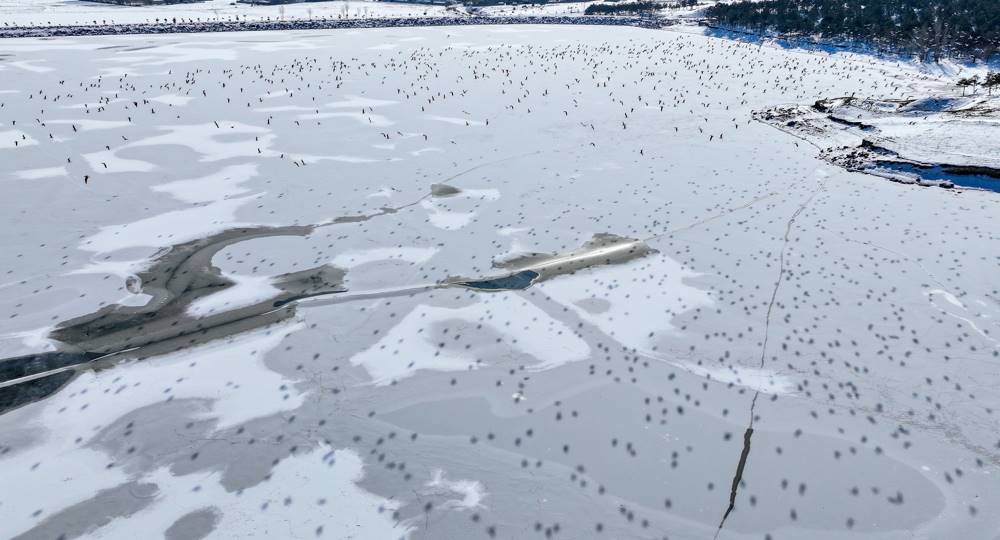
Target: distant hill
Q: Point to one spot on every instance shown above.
(932, 29)
(146, 2)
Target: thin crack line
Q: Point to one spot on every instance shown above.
(710, 218)
(781, 269)
(738, 477)
(748, 434)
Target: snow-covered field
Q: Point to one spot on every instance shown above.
(562, 8)
(789, 350)
(67, 12)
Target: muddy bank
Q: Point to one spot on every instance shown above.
(184, 274)
(175, 280)
(530, 268)
(178, 278)
(444, 190)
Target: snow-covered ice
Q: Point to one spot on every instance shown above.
(816, 344)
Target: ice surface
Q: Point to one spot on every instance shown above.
(169, 228)
(225, 183)
(471, 491)
(47, 172)
(835, 330)
(409, 346)
(313, 494)
(59, 467)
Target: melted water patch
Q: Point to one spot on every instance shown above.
(946, 176)
(42, 374)
(520, 280)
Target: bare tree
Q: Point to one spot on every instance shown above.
(963, 83)
(992, 79)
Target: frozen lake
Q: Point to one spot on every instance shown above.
(479, 282)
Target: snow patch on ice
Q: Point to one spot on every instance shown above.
(14, 138)
(86, 124)
(357, 102)
(29, 66)
(204, 139)
(421, 151)
(639, 306)
(135, 300)
(172, 99)
(309, 158)
(122, 269)
(407, 347)
(951, 299)
(169, 228)
(509, 231)
(217, 186)
(230, 375)
(414, 255)
(384, 192)
(26, 342)
(488, 194)
(760, 380)
(457, 121)
(947, 296)
(108, 161)
(245, 291)
(37, 174)
(49, 479)
(472, 492)
(443, 219)
(323, 474)
(368, 119)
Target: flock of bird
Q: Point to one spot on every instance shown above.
(787, 313)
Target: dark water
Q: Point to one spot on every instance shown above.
(32, 364)
(938, 173)
(15, 395)
(520, 280)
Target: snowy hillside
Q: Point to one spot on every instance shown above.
(942, 140)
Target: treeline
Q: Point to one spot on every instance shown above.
(617, 7)
(145, 2)
(932, 29)
(620, 8)
(989, 82)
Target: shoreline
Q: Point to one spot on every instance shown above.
(325, 24)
